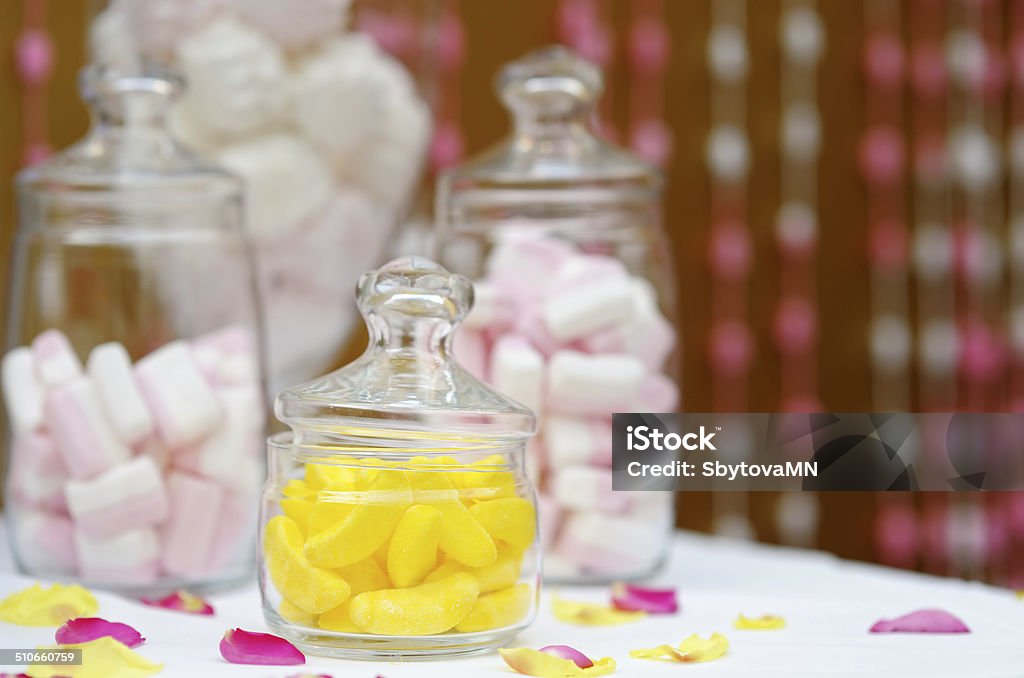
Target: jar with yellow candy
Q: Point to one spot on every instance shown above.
(398, 520)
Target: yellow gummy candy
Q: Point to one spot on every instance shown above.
(52, 606)
(297, 502)
(295, 614)
(366, 527)
(500, 574)
(498, 609)
(329, 476)
(338, 619)
(485, 478)
(307, 587)
(325, 514)
(512, 520)
(101, 658)
(412, 553)
(418, 611)
(366, 575)
(462, 537)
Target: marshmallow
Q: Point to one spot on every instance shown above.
(131, 557)
(158, 25)
(236, 77)
(592, 384)
(517, 370)
(127, 497)
(600, 542)
(38, 472)
(657, 393)
(195, 514)
(521, 257)
(232, 541)
(234, 444)
(44, 542)
(84, 437)
(56, 361)
(22, 391)
(493, 308)
(648, 335)
(470, 350)
(227, 356)
(550, 517)
(557, 567)
(182, 402)
(589, 293)
(296, 23)
(587, 489)
(285, 181)
(110, 369)
(573, 441)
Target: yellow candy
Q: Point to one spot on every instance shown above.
(329, 476)
(501, 608)
(52, 606)
(295, 614)
(366, 575)
(418, 611)
(500, 574)
(325, 514)
(307, 587)
(366, 527)
(512, 520)
(338, 619)
(484, 479)
(412, 553)
(462, 537)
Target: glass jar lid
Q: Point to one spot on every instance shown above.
(406, 386)
(551, 95)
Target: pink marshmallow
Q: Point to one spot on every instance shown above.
(657, 393)
(227, 356)
(127, 497)
(84, 437)
(235, 533)
(110, 369)
(550, 517)
(600, 542)
(579, 383)
(183, 403)
(471, 351)
(130, 558)
(44, 542)
(188, 537)
(56, 361)
(493, 308)
(517, 370)
(587, 489)
(587, 294)
(22, 390)
(38, 473)
(525, 257)
(577, 441)
(234, 445)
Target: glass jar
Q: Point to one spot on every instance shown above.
(135, 420)
(397, 519)
(561, 234)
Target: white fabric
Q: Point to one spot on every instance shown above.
(828, 605)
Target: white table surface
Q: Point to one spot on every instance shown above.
(828, 605)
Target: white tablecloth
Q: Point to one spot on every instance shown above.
(828, 605)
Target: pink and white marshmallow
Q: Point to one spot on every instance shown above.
(188, 537)
(22, 390)
(518, 371)
(80, 427)
(182, 401)
(127, 497)
(56, 361)
(579, 383)
(110, 368)
(129, 558)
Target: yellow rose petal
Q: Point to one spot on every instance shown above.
(536, 663)
(591, 614)
(101, 658)
(36, 606)
(693, 649)
(766, 622)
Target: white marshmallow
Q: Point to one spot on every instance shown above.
(158, 25)
(657, 393)
(37, 472)
(183, 404)
(110, 369)
(524, 261)
(647, 334)
(23, 394)
(517, 370)
(236, 77)
(285, 182)
(235, 443)
(608, 541)
(84, 437)
(44, 542)
(129, 558)
(56, 361)
(493, 308)
(127, 497)
(295, 23)
(596, 298)
(572, 441)
(587, 489)
(189, 534)
(584, 384)
(228, 356)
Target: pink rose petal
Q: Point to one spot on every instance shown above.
(84, 629)
(244, 647)
(311, 675)
(181, 601)
(922, 621)
(642, 599)
(572, 654)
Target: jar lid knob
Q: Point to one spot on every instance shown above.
(553, 82)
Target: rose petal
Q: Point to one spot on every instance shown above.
(922, 621)
(244, 647)
(641, 599)
(1020, 594)
(36, 606)
(14, 675)
(692, 649)
(591, 614)
(84, 629)
(766, 622)
(572, 654)
(311, 675)
(181, 601)
(535, 663)
(101, 658)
